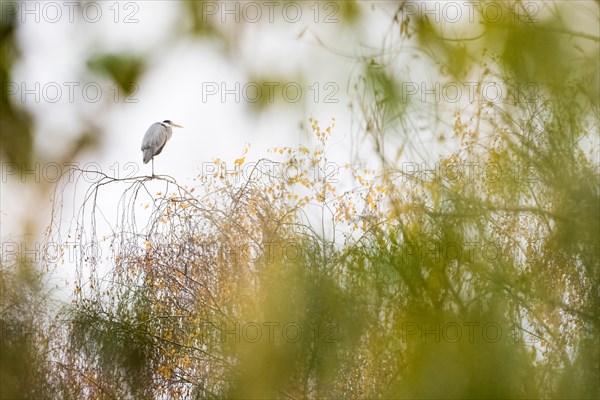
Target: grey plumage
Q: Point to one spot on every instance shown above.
(155, 139)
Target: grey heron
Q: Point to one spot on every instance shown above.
(155, 139)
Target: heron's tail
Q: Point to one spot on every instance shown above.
(147, 156)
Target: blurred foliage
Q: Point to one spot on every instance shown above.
(117, 345)
(26, 334)
(123, 69)
(15, 124)
(441, 283)
(451, 55)
(197, 12)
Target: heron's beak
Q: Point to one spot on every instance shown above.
(176, 126)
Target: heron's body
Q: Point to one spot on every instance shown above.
(155, 139)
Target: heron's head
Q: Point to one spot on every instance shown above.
(170, 123)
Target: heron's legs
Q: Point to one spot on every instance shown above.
(152, 166)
